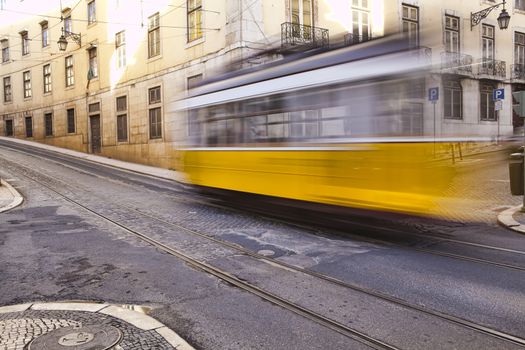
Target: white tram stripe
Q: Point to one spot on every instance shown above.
(393, 64)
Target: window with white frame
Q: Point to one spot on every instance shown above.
(5, 50)
(360, 20)
(194, 19)
(7, 89)
(519, 5)
(68, 25)
(70, 73)
(451, 34)
(93, 64)
(519, 48)
(155, 113)
(47, 78)
(92, 12)
(45, 34)
(487, 108)
(487, 42)
(154, 35)
(453, 98)
(122, 118)
(302, 12)
(27, 84)
(120, 46)
(411, 24)
(25, 43)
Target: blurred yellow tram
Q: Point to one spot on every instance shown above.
(344, 127)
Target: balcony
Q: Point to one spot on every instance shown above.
(423, 53)
(456, 63)
(493, 69)
(517, 71)
(298, 37)
(352, 39)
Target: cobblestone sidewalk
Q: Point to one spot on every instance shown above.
(22, 325)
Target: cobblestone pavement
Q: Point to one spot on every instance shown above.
(18, 329)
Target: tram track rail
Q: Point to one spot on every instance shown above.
(268, 296)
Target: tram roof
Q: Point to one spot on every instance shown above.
(300, 63)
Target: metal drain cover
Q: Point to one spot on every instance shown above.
(74, 338)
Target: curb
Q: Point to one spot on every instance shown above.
(17, 197)
(506, 219)
(127, 315)
(138, 168)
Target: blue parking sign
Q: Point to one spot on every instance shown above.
(433, 94)
(498, 94)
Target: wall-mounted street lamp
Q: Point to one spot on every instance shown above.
(503, 18)
(62, 41)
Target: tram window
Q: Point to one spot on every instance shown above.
(304, 124)
(333, 121)
(256, 128)
(363, 110)
(277, 129)
(193, 123)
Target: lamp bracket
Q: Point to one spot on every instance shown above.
(76, 37)
(476, 17)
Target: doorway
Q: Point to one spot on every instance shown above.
(94, 122)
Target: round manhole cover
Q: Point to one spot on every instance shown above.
(74, 338)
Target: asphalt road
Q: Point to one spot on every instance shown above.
(409, 285)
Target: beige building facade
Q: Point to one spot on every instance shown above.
(110, 90)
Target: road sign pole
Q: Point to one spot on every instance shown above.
(498, 95)
(433, 96)
(434, 103)
(497, 137)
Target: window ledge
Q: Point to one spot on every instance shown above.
(71, 87)
(195, 42)
(156, 140)
(46, 94)
(154, 58)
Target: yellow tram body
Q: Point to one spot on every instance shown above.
(347, 127)
(397, 177)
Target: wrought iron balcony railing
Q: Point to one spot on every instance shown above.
(352, 39)
(423, 53)
(517, 71)
(456, 63)
(296, 36)
(493, 68)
